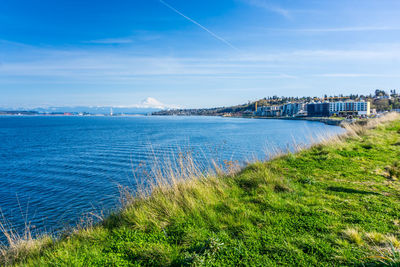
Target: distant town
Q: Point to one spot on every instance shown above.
(340, 106)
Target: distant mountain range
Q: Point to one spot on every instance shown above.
(149, 105)
(97, 110)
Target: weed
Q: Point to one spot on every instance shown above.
(375, 238)
(388, 256)
(307, 180)
(353, 235)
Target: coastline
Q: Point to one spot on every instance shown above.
(328, 121)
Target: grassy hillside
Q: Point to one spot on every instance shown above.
(333, 204)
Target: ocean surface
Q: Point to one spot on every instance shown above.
(53, 170)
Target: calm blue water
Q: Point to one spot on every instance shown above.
(54, 169)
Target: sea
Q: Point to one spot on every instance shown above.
(57, 170)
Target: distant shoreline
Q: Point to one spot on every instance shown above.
(328, 121)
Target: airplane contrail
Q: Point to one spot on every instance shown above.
(198, 24)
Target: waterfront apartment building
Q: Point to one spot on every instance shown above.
(292, 109)
(325, 109)
(350, 108)
(288, 110)
(318, 109)
(269, 111)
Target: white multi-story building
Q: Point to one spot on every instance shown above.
(350, 107)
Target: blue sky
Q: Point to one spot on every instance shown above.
(194, 53)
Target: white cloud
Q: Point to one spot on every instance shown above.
(110, 41)
(357, 75)
(345, 29)
(106, 67)
(270, 7)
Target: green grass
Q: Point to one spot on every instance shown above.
(332, 204)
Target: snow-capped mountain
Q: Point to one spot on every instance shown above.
(148, 105)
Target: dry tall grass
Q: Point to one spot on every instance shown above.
(18, 246)
(173, 187)
(360, 127)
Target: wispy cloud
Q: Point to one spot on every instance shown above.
(14, 44)
(110, 41)
(136, 37)
(345, 29)
(357, 75)
(201, 26)
(85, 66)
(270, 7)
